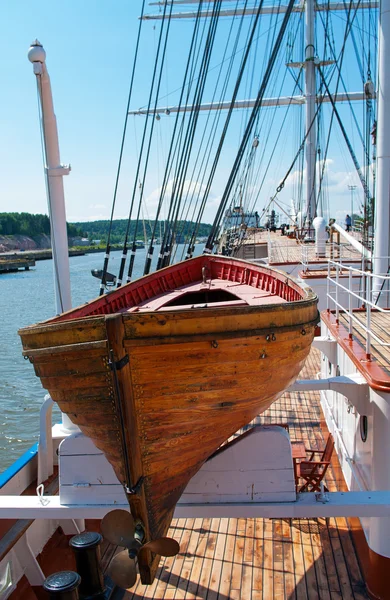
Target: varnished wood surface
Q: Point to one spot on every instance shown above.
(380, 326)
(192, 377)
(262, 559)
(250, 559)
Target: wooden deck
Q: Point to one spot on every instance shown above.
(283, 250)
(380, 327)
(246, 559)
(231, 559)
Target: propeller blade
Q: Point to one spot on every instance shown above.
(118, 527)
(164, 546)
(122, 570)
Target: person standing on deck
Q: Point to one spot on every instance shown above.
(348, 223)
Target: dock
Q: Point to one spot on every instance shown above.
(11, 265)
(254, 559)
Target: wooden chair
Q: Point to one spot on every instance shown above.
(312, 472)
(284, 425)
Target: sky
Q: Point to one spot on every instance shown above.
(90, 46)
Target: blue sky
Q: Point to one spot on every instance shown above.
(90, 47)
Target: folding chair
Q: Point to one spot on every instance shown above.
(313, 472)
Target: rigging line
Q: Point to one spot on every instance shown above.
(274, 148)
(338, 66)
(246, 93)
(345, 89)
(281, 185)
(217, 220)
(235, 92)
(175, 202)
(171, 147)
(105, 264)
(353, 156)
(217, 117)
(218, 64)
(208, 149)
(257, 133)
(48, 193)
(136, 177)
(280, 130)
(202, 207)
(146, 161)
(252, 119)
(191, 132)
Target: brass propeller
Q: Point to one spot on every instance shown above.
(118, 527)
(164, 546)
(122, 570)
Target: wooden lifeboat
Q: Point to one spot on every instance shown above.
(160, 372)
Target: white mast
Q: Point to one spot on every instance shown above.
(55, 186)
(311, 126)
(382, 212)
(55, 192)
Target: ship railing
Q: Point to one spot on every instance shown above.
(350, 288)
(333, 250)
(309, 255)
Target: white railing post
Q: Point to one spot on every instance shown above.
(328, 289)
(337, 293)
(368, 316)
(350, 303)
(45, 445)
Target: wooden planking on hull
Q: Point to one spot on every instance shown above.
(185, 381)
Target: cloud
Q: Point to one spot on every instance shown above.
(97, 206)
(192, 190)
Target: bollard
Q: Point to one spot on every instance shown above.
(63, 586)
(86, 547)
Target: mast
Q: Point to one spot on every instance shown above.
(382, 209)
(311, 126)
(54, 171)
(310, 63)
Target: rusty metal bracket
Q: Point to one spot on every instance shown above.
(119, 364)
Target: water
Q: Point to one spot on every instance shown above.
(27, 297)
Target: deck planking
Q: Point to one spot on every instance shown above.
(231, 559)
(380, 327)
(282, 249)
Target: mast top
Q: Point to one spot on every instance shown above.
(36, 52)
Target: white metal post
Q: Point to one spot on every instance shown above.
(337, 292)
(55, 186)
(310, 93)
(382, 209)
(350, 303)
(55, 190)
(368, 315)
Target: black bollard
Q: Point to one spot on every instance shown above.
(86, 547)
(63, 586)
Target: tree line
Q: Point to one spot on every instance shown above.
(34, 225)
(99, 229)
(30, 225)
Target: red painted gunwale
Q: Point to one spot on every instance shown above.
(184, 274)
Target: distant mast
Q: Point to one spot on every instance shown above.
(54, 172)
(310, 63)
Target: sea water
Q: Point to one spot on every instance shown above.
(27, 297)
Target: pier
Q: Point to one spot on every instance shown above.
(11, 265)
